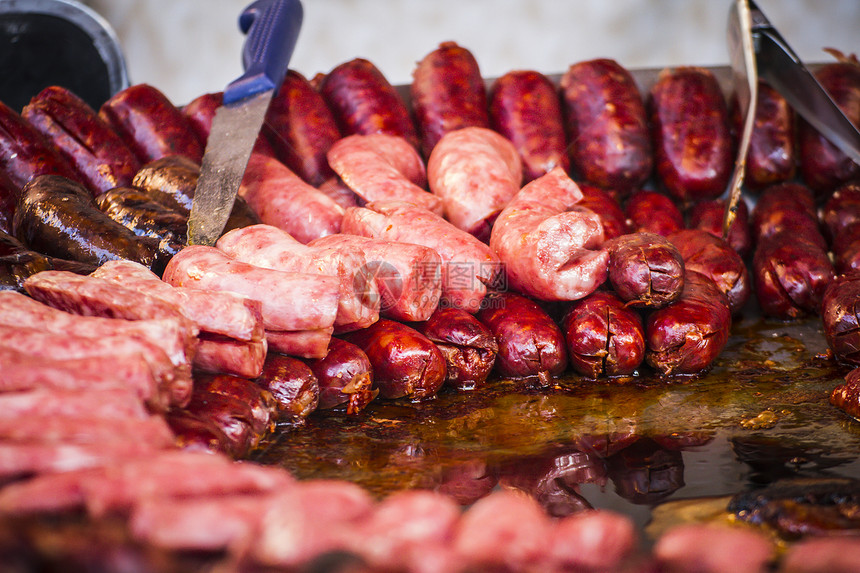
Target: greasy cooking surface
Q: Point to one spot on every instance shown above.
(762, 413)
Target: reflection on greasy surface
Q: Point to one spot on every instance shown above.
(761, 415)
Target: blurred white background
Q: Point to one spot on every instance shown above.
(190, 47)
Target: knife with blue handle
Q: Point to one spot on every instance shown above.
(272, 28)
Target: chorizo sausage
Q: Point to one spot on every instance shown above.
(708, 216)
(201, 111)
(787, 207)
(345, 377)
(839, 217)
(468, 346)
(685, 337)
(840, 317)
(645, 269)
(604, 337)
(524, 107)
(292, 384)
(607, 208)
(652, 212)
(405, 362)
(150, 124)
(530, 343)
(448, 93)
(364, 102)
(607, 125)
(693, 147)
(98, 154)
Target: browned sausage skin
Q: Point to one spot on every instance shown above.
(345, 377)
(607, 125)
(653, 212)
(645, 269)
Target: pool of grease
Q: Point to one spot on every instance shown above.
(644, 447)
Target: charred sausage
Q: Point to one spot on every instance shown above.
(645, 269)
(448, 93)
(604, 336)
(693, 147)
(530, 342)
(524, 107)
(345, 377)
(685, 337)
(607, 125)
(405, 362)
(468, 346)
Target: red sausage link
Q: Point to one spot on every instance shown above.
(839, 216)
(708, 216)
(150, 124)
(405, 362)
(301, 127)
(823, 166)
(693, 147)
(292, 384)
(8, 197)
(525, 108)
(530, 342)
(607, 125)
(607, 208)
(604, 336)
(345, 377)
(772, 155)
(468, 346)
(364, 102)
(448, 93)
(98, 154)
(840, 316)
(25, 153)
(645, 269)
(653, 212)
(787, 207)
(685, 337)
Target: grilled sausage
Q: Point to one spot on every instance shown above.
(302, 128)
(607, 208)
(839, 216)
(652, 212)
(363, 101)
(787, 207)
(530, 342)
(448, 93)
(259, 402)
(645, 269)
(712, 256)
(150, 124)
(292, 384)
(772, 155)
(823, 166)
(685, 337)
(693, 147)
(98, 154)
(8, 197)
(468, 346)
(345, 377)
(138, 212)
(58, 217)
(524, 107)
(607, 125)
(840, 316)
(708, 216)
(604, 336)
(25, 153)
(405, 362)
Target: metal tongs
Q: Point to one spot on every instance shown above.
(757, 50)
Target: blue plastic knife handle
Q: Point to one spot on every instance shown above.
(272, 28)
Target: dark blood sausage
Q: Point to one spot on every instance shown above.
(301, 127)
(685, 337)
(840, 316)
(716, 259)
(693, 146)
(645, 269)
(840, 216)
(846, 396)
(787, 207)
(823, 166)
(790, 273)
(448, 93)
(292, 384)
(345, 377)
(405, 362)
(58, 217)
(468, 346)
(525, 108)
(172, 180)
(137, 211)
(150, 124)
(530, 342)
(607, 125)
(652, 212)
(772, 155)
(25, 153)
(364, 102)
(259, 402)
(607, 208)
(17, 263)
(98, 154)
(604, 336)
(708, 216)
